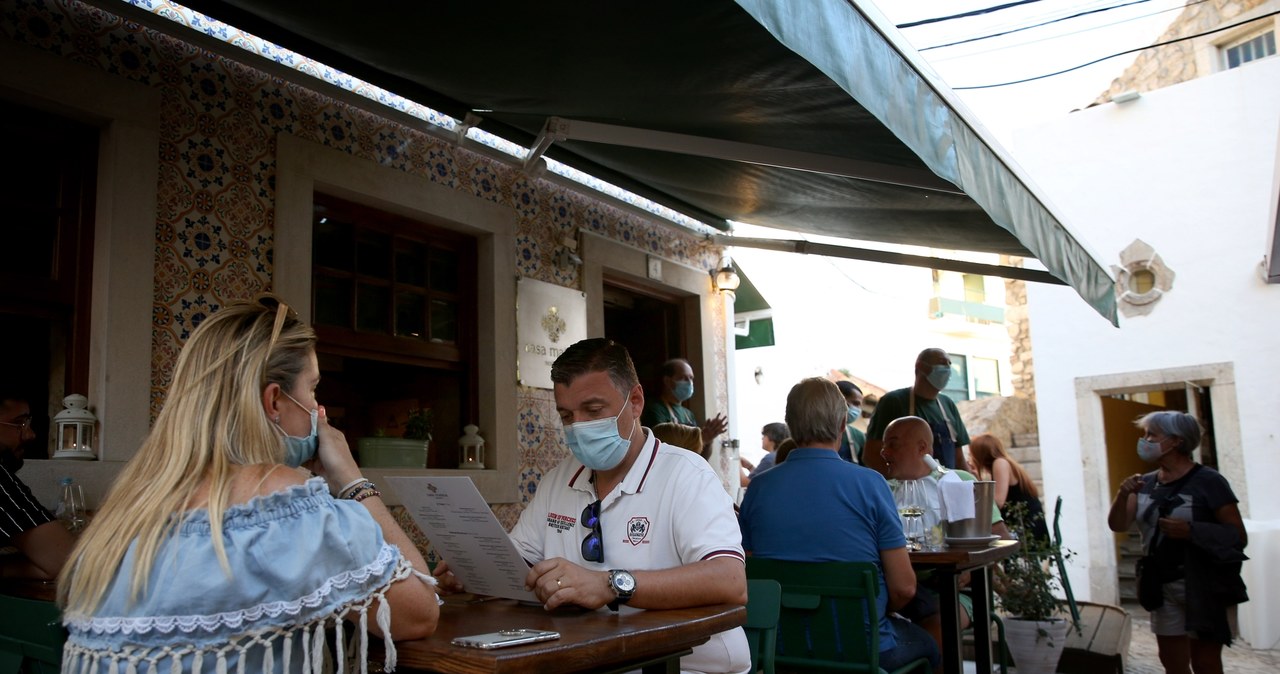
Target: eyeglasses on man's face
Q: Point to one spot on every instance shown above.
(22, 423)
(593, 544)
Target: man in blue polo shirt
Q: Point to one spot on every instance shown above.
(815, 507)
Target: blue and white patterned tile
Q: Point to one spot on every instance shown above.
(528, 256)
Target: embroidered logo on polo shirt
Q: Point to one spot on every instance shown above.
(638, 530)
(561, 522)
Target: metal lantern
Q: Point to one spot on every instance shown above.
(471, 448)
(76, 425)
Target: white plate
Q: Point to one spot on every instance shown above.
(979, 542)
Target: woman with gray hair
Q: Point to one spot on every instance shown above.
(1194, 540)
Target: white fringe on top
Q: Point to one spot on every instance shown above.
(316, 659)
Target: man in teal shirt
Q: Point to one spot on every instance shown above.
(923, 399)
(677, 387)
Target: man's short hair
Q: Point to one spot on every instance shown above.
(847, 387)
(928, 354)
(816, 411)
(670, 367)
(776, 432)
(596, 355)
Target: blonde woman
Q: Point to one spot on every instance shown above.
(214, 552)
(1013, 485)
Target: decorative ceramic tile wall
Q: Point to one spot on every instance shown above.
(216, 193)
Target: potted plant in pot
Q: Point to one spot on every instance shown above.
(1035, 629)
(407, 451)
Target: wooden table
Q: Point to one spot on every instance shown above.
(949, 564)
(42, 590)
(597, 641)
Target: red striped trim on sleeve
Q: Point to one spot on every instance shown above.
(724, 553)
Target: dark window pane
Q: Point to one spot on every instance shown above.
(373, 254)
(331, 242)
(34, 241)
(411, 263)
(373, 307)
(444, 321)
(444, 271)
(411, 315)
(333, 302)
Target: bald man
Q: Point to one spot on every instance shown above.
(922, 399)
(906, 442)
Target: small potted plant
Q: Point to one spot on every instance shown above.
(1035, 628)
(407, 451)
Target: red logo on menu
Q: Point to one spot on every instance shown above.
(638, 530)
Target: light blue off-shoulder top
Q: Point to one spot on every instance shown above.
(300, 561)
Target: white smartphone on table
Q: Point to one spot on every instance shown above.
(505, 638)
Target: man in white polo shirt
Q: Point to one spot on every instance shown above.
(627, 519)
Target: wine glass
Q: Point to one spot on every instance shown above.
(72, 510)
(912, 503)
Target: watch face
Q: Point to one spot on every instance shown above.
(624, 582)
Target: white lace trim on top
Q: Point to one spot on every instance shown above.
(349, 653)
(243, 617)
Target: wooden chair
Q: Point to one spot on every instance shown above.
(1099, 641)
(31, 636)
(764, 602)
(829, 619)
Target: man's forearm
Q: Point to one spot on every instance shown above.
(722, 580)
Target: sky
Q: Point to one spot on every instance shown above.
(1029, 53)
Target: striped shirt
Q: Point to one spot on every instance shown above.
(19, 510)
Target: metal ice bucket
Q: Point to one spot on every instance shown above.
(978, 526)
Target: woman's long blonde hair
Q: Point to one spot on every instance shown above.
(986, 448)
(212, 420)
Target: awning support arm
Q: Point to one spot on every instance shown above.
(851, 253)
(700, 146)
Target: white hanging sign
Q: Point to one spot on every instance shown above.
(549, 318)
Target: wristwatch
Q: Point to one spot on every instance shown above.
(623, 584)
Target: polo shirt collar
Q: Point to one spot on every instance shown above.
(633, 482)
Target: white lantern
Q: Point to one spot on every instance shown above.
(75, 429)
(471, 448)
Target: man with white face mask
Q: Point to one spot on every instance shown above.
(923, 399)
(627, 519)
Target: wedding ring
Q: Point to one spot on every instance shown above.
(558, 583)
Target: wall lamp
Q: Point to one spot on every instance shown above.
(725, 279)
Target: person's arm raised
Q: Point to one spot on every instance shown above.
(414, 609)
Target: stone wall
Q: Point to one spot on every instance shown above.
(1170, 64)
(1015, 321)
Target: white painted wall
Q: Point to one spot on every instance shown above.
(1189, 169)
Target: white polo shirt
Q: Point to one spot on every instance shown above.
(669, 510)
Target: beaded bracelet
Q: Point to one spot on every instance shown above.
(350, 492)
(348, 486)
(364, 494)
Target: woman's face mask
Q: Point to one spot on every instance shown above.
(298, 451)
(598, 444)
(1149, 450)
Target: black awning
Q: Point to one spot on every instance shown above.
(705, 70)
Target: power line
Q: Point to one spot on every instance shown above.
(1050, 21)
(1127, 51)
(976, 12)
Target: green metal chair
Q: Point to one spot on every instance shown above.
(825, 613)
(764, 602)
(31, 636)
(1062, 565)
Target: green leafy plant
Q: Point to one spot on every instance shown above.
(419, 424)
(1027, 581)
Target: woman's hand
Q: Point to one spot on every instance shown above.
(333, 460)
(448, 583)
(1131, 484)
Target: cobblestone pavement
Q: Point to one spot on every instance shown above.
(1144, 658)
